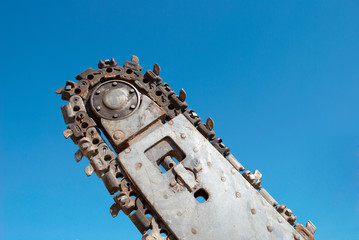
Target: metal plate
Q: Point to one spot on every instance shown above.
(233, 210)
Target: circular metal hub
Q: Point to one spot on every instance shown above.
(115, 100)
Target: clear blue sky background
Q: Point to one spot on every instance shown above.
(279, 78)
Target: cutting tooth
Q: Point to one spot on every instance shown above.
(135, 59)
(209, 124)
(257, 174)
(59, 90)
(311, 227)
(114, 210)
(89, 170)
(182, 95)
(67, 133)
(156, 69)
(113, 62)
(101, 64)
(78, 155)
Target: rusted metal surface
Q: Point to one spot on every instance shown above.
(169, 172)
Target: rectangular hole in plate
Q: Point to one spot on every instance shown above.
(165, 154)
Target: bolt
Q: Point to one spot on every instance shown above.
(195, 149)
(269, 228)
(115, 115)
(194, 230)
(98, 108)
(223, 179)
(238, 194)
(183, 136)
(114, 83)
(127, 150)
(132, 106)
(98, 92)
(132, 90)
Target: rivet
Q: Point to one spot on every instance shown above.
(127, 150)
(115, 115)
(138, 166)
(179, 214)
(183, 136)
(170, 122)
(194, 230)
(165, 196)
(280, 220)
(195, 149)
(209, 164)
(114, 83)
(253, 211)
(296, 237)
(132, 90)
(269, 228)
(98, 108)
(118, 135)
(233, 171)
(238, 194)
(223, 179)
(132, 106)
(98, 92)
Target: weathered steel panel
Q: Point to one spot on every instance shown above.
(233, 210)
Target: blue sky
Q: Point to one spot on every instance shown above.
(279, 78)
